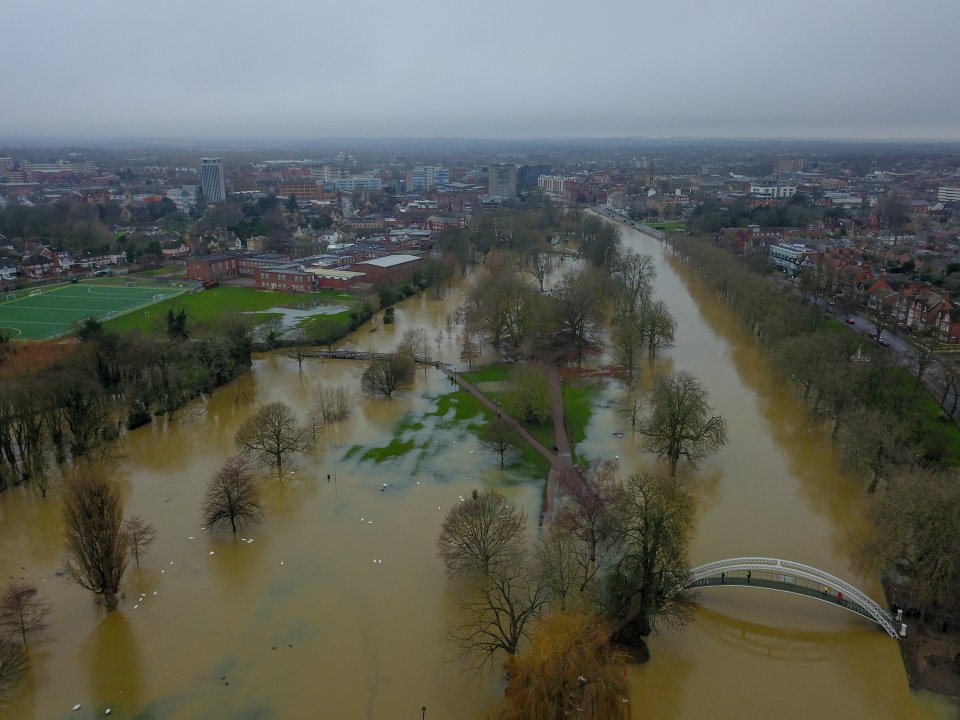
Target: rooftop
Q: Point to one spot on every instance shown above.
(391, 260)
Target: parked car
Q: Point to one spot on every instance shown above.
(851, 320)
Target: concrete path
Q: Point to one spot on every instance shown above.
(561, 462)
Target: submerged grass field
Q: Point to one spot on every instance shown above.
(208, 305)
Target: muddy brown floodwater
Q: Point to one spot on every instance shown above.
(306, 621)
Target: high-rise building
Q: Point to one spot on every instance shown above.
(527, 175)
(948, 194)
(211, 180)
(788, 165)
(424, 177)
(503, 180)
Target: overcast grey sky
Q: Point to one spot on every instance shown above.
(488, 69)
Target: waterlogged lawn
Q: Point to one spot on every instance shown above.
(395, 448)
(488, 373)
(458, 414)
(206, 306)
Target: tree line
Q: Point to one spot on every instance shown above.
(75, 406)
(875, 413)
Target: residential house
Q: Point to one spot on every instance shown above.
(36, 266)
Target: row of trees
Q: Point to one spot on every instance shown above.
(65, 410)
(506, 311)
(875, 413)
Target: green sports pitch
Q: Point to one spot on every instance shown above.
(56, 311)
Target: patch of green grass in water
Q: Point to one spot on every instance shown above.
(395, 448)
(578, 408)
(458, 407)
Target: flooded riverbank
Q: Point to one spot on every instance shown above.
(302, 623)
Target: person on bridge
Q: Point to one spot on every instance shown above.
(723, 578)
(839, 596)
(748, 576)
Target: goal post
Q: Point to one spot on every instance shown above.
(35, 292)
(11, 297)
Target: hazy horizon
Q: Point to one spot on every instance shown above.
(218, 72)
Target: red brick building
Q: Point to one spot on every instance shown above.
(329, 279)
(392, 267)
(285, 279)
(213, 267)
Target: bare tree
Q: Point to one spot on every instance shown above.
(633, 274)
(480, 533)
(331, 404)
(580, 307)
(300, 345)
(641, 582)
(498, 437)
(680, 425)
(657, 326)
(917, 521)
(950, 369)
(387, 376)
(879, 311)
(96, 545)
(926, 352)
(555, 551)
(232, 498)
(539, 263)
(469, 350)
(627, 339)
(413, 343)
(21, 611)
(271, 433)
(632, 403)
(528, 397)
(140, 536)
(495, 614)
(588, 514)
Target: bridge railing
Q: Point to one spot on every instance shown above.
(783, 569)
(364, 355)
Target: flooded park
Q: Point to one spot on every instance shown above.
(338, 607)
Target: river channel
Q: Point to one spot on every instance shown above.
(337, 607)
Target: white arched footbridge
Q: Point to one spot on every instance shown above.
(794, 577)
